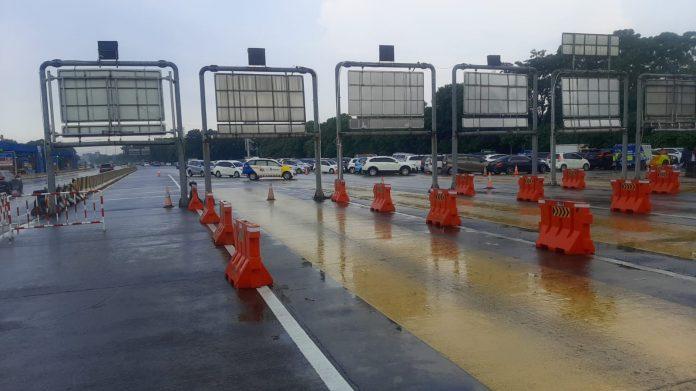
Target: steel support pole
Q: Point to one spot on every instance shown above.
(319, 191)
(624, 134)
(183, 194)
(552, 140)
(48, 146)
(535, 135)
(204, 132)
(433, 126)
(639, 124)
(339, 144)
(455, 136)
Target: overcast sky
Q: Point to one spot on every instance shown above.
(312, 33)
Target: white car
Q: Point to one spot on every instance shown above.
(351, 165)
(258, 168)
(428, 166)
(414, 161)
(230, 168)
(385, 165)
(329, 166)
(571, 160)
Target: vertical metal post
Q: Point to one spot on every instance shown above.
(455, 136)
(48, 144)
(339, 145)
(433, 126)
(319, 191)
(183, 195)
(639, 124)
(50, 107)
(204, 133)
(552, 152)
(535, 134)
(624, 135)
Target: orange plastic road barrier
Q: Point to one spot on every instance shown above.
(630, 196)
(573, 178)
(663, 179)
(245, 269)
(209, 216)
(443, 209)
(224, 233)
(340, 195)
(531, 188)
(382, 202)
(565, 227)
(195, 202)
(464, 184)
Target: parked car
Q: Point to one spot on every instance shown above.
(297, 166)
(506, 164)
(359, 164)
(493, 156)
(385, 165)
(675, 154)
(10, 183)
(427, 164)
(328, 166)
(465, 163)
(598, 158)
(414, 161)
(194, 167)
(571, 160)
(351, 165)
(106, 167)
(230, 168)
(401, 156)
(258, 168)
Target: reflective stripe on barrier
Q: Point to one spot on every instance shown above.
(209, 216)
(245, 269)
(565, 227)
(443, 208)
(630, 196)
(340, 194)
(382, 202)
(573, 178)
(464, 184)
(663, 179)
(224, 233)
(531, 188)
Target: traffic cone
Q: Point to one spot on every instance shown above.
(516, 171)
(271, 196)
(168, 199)
(489, 185)
(158, 173)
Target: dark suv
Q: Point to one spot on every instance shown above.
(9, 183)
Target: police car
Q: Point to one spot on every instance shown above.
(258, 168)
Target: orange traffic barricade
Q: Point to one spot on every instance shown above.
(630, 196)
(382, 202)
(573, 178)
(565, 227)
(246, 269)
(209, 215)
(531, 188)
(195, 202)
(464, 184)
(340, 194)
(443, 208)
(663, 179)
(224, 233)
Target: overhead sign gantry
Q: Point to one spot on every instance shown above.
(257, 101)
(496, 101)
(111, 102)
(592, 101)
(386, 102)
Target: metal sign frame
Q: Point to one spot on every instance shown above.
(208, 135)
(392, 65)
(533, 109)
(623, 79)
(50, 134)
(640, 106)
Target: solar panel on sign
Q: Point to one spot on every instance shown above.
(590, 102)
(670, 100)
(495, 100)
(579, 44)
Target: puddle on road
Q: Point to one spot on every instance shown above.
(511, 324)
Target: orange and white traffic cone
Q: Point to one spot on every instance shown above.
(271, 196)
(167, 199)
(517, 172)
(489, 185)
(158, 173)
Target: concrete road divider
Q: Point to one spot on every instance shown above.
(663, 180)
(573, 178)
(565, 227)
(209, 216)
(382, 202)
(194, 202)
(531, 188)
(101, 180)
(443, 209)
(340, 194)
(630, 196)
(464, 184)
(224, 233)
(245, 269)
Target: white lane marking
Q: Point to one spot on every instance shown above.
(174, 180)
(598, 257)
(316, 358)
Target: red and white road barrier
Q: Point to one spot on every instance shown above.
(5, 214)
(58, 209)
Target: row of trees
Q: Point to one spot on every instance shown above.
(664, 53)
